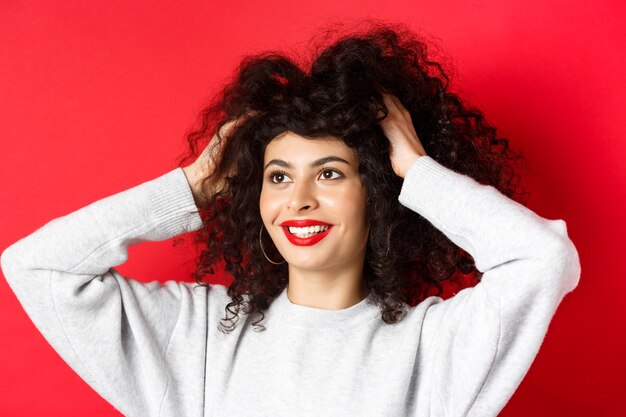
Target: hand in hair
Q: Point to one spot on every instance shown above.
(203, 165)
(405, 146)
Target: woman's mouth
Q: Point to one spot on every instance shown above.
(306, 236)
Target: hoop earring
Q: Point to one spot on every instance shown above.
(261, 244)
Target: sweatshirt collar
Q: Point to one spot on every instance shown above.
(284, 312)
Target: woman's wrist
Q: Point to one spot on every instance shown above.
(195, 184)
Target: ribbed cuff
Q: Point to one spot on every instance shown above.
(173, 203)
(424, 185)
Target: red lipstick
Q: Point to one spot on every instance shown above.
(307, 241)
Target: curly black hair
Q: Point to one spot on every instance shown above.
(340, 95)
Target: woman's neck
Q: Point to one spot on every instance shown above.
(328, 290)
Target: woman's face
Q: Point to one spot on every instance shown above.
(314, 181)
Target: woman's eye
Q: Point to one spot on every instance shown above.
(327, 174)
(278, 177)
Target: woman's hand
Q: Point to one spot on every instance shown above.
(405, 146)
(205, 163)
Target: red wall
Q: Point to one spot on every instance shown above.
(97, 98)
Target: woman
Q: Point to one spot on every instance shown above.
(336, 199)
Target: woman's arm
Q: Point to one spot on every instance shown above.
(141, 346)
(479, 344)
(121, 336)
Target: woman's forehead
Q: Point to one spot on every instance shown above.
(291, 145)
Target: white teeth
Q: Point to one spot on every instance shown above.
(307, 231)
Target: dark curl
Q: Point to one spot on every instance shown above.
(407, 259)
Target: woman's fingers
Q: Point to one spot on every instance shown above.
(216, 145)
(211, 156)
(405, 146)
(226, 130)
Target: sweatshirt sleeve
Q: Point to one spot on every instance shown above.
(113, 331)
(480, 343)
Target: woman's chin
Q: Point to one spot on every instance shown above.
(307, 264)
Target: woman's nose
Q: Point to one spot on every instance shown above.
(302, 198)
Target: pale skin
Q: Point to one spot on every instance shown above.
(329, 274)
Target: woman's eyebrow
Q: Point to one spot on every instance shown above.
(314, 164)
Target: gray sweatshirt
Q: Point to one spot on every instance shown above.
(154, 349)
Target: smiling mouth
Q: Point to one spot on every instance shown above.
(307, 237)
(304, 232)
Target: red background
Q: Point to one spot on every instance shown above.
(95, 97)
